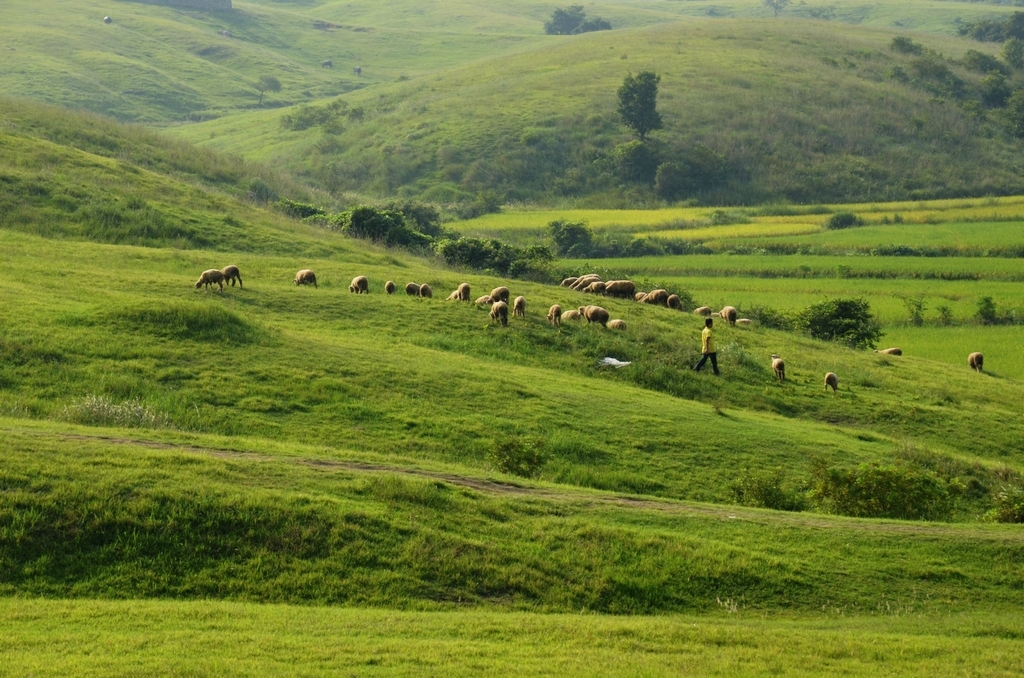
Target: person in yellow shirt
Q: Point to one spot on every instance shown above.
(707, 347)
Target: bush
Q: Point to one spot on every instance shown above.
(995, 90)
(1009, 506)
(843, 220)
(847, 321)
(572, 238)
(635, 162)
(1013, 53)
(983, 63)
(494, 255)
(987, 311)
(1015, 113)
(905, 45)
(518, 457)
(698, 169)
(764, 489)
(769, 317)
(573, 20)
(301, 210)
(884, 491)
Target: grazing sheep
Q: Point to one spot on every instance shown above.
(744, 322)
(891, 351)
(360, 285)
(464, 292)
(231, 273)
(499, 312)
(703, 310)
(779, 367)
(305, 277)
(595, 314)
(107, 20)
(616, 324)
(426, 292)
(640, 296)
(327, 63)
(211, 277)
(675, 302)
(585, 280)
(486, 299)
(555, 315)
(976, 361)
(568, 281)
(390, 287)
(659, 297)
(624, 289)
(519, 307)
(571, 314)
(831, 380)
(500, 294)
(594, 288)
(412, 289)
(729, 313)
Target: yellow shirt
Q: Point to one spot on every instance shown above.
(707, 341)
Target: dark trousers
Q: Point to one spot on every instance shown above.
(714, 362)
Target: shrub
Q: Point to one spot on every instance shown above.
(995, 90)
(847, 321)
(1015, 113)
(983, 63)
(493, 255)
(764, 489)
(843, 220)
(1013, 53)
(260, 191)
(572, 238)
(987, 311)
(769, 317)
(905, 45)
(1009, 505)
(302, 210)
(690, 172)
(523, 458)
(573, 20)
(635, 162)
(915, 310)
(884, 491)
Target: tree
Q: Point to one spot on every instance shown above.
(995, 90)
(572, 238)
(776, 5)
(267, 83)
(572, 21)
(847, 321)
(638, 101)
(1013, 53)
(1015, 113)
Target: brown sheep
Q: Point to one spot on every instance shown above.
(500, 294)
(209, 277)
(567, 282)
(779, 367)
(703, 310)
(585, 280)
(640, 296)
(426, 292)
(412, 289)
(519, 307)
(976, 361)
(831, 380)
(464, 292)
(390, 287)
(555, 315)
(659, 297)
(891, 351)
(616, 324)
(571, 314)
(624, 289)
(486, 299)
(360, 285)
(744, 322)
(306, 277)
(231, 273)
(499, 312)
(675, 302)
(729, 313)
(594, 314)
(594, 288)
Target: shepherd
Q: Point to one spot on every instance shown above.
(707, 347)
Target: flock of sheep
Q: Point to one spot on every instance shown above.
(588, 284)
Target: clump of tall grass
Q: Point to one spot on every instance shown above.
(97, 410)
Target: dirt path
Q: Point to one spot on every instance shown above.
(579, 497)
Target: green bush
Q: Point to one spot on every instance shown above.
(847, 321)
(518, 457)
(884, 491)
(764, 489)
(494, 255)
(987, 311)
(573, 20)
(1009, 505)
(1015, 113)
(995, 90)
(843, 220)
(573, 239)
(983, 63)
(690, 172)
(635, 162)
(905, 45)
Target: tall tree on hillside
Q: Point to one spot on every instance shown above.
(267, 83)
(1013, 53)
(777, 5)
(638, 100)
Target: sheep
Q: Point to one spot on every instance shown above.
(305, 277)
(360, 285)
(675, 302)
(744, 322)
(620, 288)
(327, 63)
(107, 20)
(640, 296)
(486, 299)
(594, 314)
(519, 307)
(426, 292)
(212, 276)
(568, 281)
(462, 292)
(976, 361)
(499, 312)
(659, 297)
(412, 289)
(703, 310)
(779, 367)
(555, 315)
(231, 273)
(831, 380)
(594, 288)
(584, 280)
(889, 351)
(390, 287)
(571, 314)
(500, 294)
(729, 313)
(616, 324)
